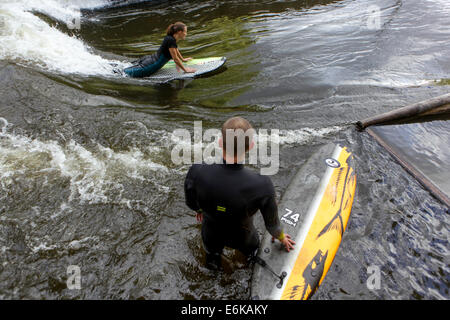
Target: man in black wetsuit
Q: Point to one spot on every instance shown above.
(226, 196)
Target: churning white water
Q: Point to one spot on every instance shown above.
(28, 40)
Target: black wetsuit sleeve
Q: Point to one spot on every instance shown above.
(189, 190)
(269, 211)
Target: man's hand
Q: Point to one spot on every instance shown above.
(199, 216)
(187, 59)
(287, 242)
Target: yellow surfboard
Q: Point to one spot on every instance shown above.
(314, 210)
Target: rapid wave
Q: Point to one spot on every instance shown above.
(95, 174)
(28, 40)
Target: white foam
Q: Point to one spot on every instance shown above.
(94, 174)
(28, 40)
(4, 124)
(43, 247)
(64, 10)
(300, 136)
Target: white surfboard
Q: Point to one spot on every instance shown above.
(203, 67)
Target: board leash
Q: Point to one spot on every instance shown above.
(264, 264)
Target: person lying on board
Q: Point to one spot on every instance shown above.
(149, 64)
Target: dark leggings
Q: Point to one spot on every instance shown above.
(146, 66)
(215, 237)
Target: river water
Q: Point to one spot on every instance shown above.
(86, 176)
